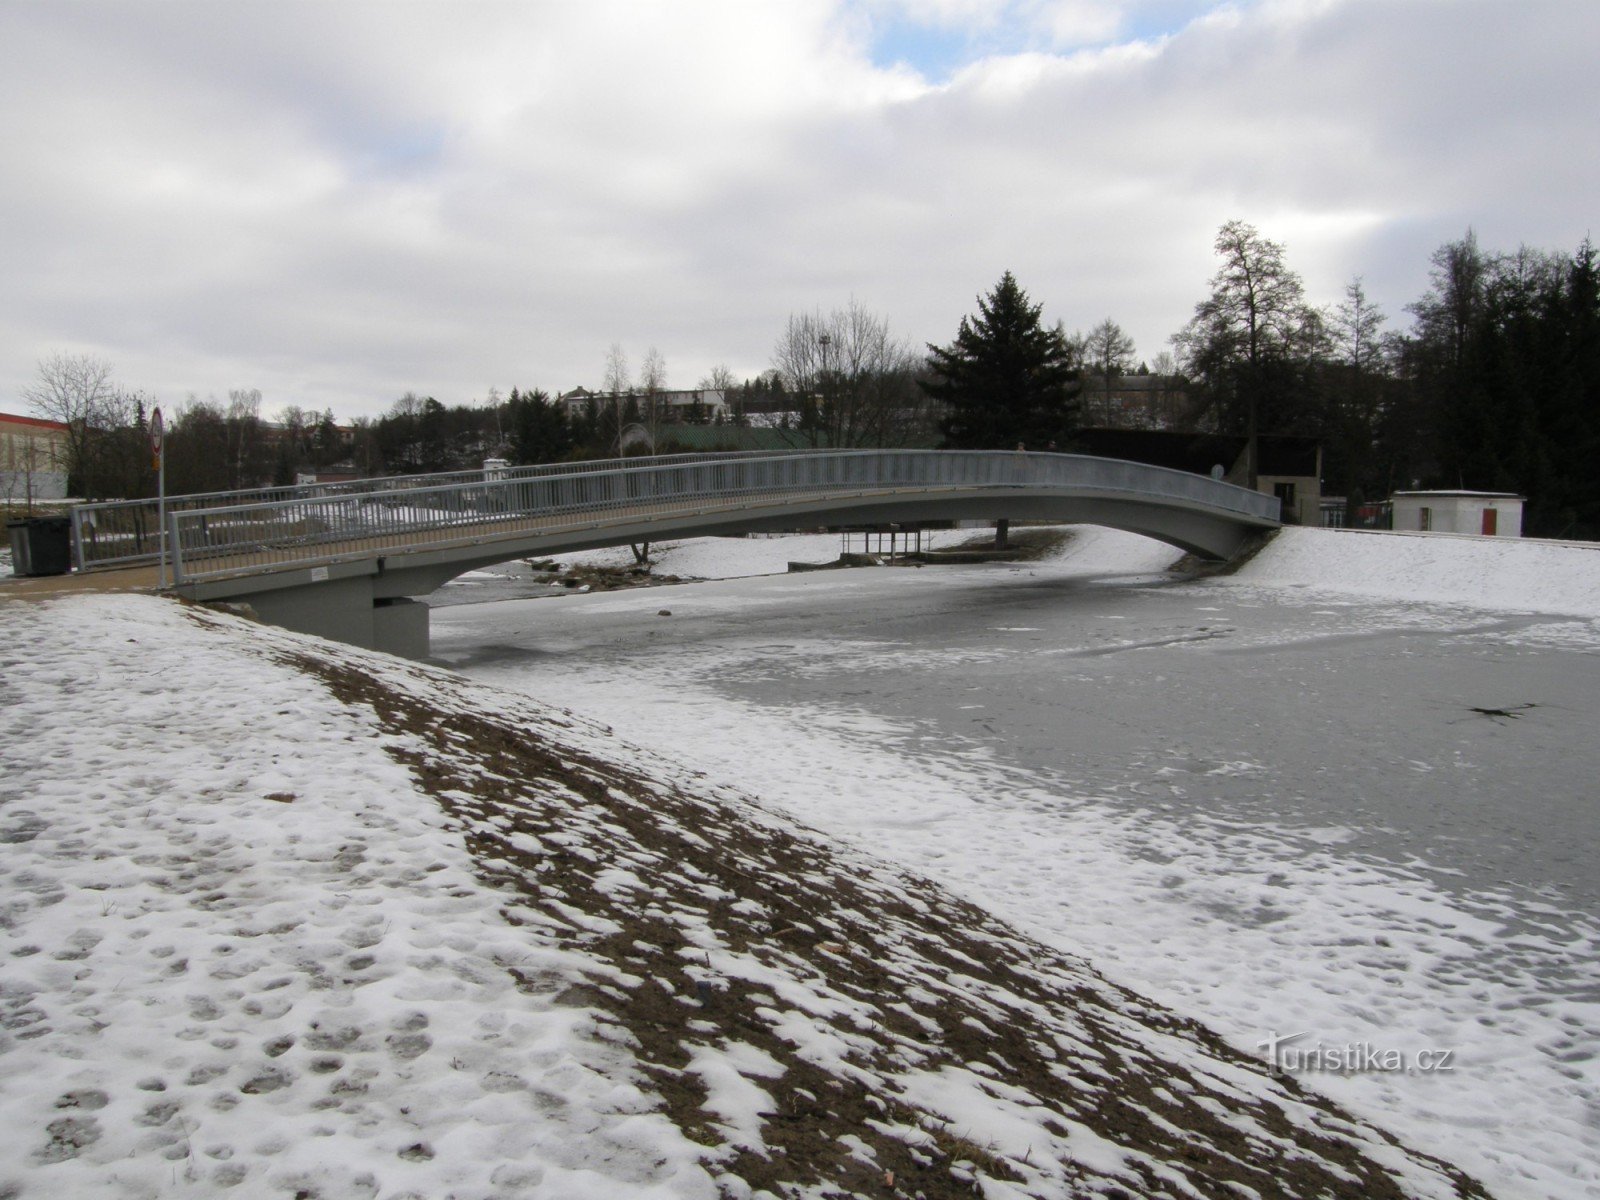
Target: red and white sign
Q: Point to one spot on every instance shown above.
(157, 435)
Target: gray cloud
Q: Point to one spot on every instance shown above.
(337, 203)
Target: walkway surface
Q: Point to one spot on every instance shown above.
(127, 579)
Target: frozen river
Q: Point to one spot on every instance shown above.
(1272, 808)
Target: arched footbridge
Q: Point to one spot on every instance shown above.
(349, 565)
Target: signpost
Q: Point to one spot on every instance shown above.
(158, 460)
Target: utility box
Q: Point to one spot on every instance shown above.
(1487, 514)
(41, 545)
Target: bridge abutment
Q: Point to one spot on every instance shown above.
(400, 626)
(347, 610)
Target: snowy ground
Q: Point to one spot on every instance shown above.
(1262, 797)
(282, 918)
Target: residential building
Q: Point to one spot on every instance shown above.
(671, 407)
(33, 459)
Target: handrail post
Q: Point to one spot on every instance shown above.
(177, 548)
(77, 538)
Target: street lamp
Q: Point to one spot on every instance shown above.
(823, 340)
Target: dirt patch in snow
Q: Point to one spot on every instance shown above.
(600, 579)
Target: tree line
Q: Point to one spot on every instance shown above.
(1495, 387)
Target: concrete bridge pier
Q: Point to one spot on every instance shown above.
(354, 607)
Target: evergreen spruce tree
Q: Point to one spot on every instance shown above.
(1006, 380)
(540, 431)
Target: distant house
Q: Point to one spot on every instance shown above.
(33, 459)
(671, 407)
(1488, 514)
(1290, 468)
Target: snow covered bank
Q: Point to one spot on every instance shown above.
(1498, 573)
(295, 919)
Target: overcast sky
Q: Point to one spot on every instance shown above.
(339, 202)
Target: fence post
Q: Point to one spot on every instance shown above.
(77, 539)
(177, 548)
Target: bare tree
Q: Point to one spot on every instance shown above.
(718, 379)
(105, 441)
(653, 372)
(1356, 389)
(1356, 325)
(1460, 278)
(248, 454)
(652, 382)
(616, 376)
(721, 384)
(1166, 398)
(616, 383)
(75, 390)
(1108, 350)
(855, 380)
(1107, 355)
(1248, 340)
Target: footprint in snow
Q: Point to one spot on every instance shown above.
(69, 1136)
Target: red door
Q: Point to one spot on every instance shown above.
(1491, 522)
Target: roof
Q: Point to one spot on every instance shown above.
(33, 422)
(1462, 495)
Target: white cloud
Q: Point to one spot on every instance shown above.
(1071, 23)
(340, 202)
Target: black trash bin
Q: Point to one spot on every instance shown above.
(41, 545)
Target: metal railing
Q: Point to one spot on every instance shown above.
(122, 533)
(240, 539)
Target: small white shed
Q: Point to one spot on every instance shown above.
(1490, 514)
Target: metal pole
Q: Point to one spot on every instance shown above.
(161, 516)
(177, 550)
(158, 451)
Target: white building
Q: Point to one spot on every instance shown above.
(1490, 514)
(670, 406)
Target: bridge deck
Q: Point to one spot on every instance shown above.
(43, 587)
(677, 498)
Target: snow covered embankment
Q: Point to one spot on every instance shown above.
(287, 915)
(1499, 573)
